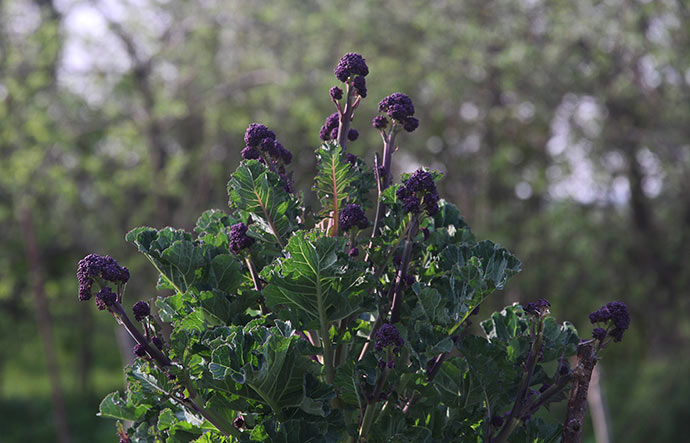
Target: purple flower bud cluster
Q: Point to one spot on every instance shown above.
(352, 215)
(259, 137)
(599, 334)
(379, 122)
(336, 93)
(352, 135)
(238, 237)
(97, 266)
(617, 313)
(360, 84)
(539, 307)
(354, 252)
(105, 298)
(399, 107)
(351, 159)
(329, 130)
(351, 64)
(141, 310)
(388, 335)
(419, 191)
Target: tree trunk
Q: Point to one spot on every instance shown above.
(44, 323)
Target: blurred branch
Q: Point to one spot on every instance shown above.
(44, 322)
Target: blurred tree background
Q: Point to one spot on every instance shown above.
(563, 129)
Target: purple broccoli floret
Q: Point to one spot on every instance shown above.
(386, 336)
(250, 153)
(255, 133)
(141, 310)
(617, 313)
(419, 191)
(105, 298)
(352, 215)
(539, 307)
(336, 93)
(410, 124)
(398, 106)
(599, 333)
(238, 237)
(95, 266)
(379, 122)
(351, 158)
(330, 125)
(360, 84)
(351, 64)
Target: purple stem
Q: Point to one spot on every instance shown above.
(397, 289)
(157, 355)
(345, 117)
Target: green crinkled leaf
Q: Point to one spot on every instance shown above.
(259, 192)
(333, 180)
(212, 227)
(115, 407)
(472, 272)
(314, 282)
(265, 365)
(184, 263)
(510, 328)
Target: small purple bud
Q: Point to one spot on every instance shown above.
(539, 307)
(351, 158)
(141, 310)
(391, 364)
(354, 252)
(352, 135)
(387, 335)
(336, 93)
(379, 122)
(382, 363)
(352, 216)
(139, 350)
(410, 124)
(334, 134)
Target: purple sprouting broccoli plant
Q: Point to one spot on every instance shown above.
(286, 323)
